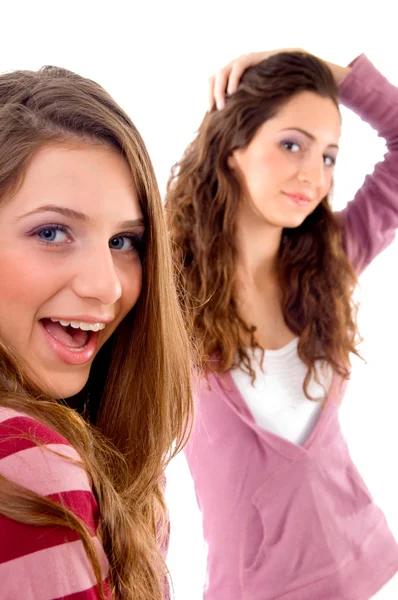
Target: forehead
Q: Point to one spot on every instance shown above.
(86, 177)
(78, 164)
(310, 112)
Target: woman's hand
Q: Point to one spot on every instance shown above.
(226, 81)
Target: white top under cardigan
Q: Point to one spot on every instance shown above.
(277, 400)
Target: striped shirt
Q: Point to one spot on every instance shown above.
(46, 562)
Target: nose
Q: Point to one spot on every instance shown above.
(96, 277)
(312, 170)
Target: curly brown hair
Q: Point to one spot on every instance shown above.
(314, 273)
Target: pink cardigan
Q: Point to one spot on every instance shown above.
(288, 521)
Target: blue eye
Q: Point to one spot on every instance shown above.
(132, 242)
(56, 234)
(121, 242)
(59, 235)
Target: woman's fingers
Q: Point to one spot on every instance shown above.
(220, 86)
(226, 81)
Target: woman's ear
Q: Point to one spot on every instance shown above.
(231, 161)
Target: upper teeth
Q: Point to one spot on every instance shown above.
(80, 325)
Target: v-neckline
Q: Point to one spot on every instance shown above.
(282, 445)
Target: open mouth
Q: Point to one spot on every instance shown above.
(73, 335)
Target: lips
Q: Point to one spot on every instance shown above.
(299, 199)
(77, 352)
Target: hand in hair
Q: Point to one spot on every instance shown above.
(226, 81)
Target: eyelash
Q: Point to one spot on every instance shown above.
(137, 240)
(284, 143)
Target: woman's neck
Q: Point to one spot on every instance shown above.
(258, 248)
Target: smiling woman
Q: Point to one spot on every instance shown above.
(269, 271)
(80, 259)
(95, 393)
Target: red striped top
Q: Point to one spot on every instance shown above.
(42, 562)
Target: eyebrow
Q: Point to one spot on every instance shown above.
(308, 135)
(77, 216)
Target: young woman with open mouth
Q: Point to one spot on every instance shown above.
(94, 359)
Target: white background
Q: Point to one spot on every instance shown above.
(155, 57)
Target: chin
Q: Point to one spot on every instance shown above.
(293, 222)
(60, 386)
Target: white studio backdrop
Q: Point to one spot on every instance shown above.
(155, 58)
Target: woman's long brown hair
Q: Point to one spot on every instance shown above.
(140, 382)
(315, 276)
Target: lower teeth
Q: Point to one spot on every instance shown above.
(78, 349)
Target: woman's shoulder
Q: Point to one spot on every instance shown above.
(37, 457)
(19, 426)
(47, 560)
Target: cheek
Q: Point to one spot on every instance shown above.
(25, 286)
(267, 172)
(13, 282)
(328, 183)
(24, 280)
(131, 288)
(131, 282)
(273, 164)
